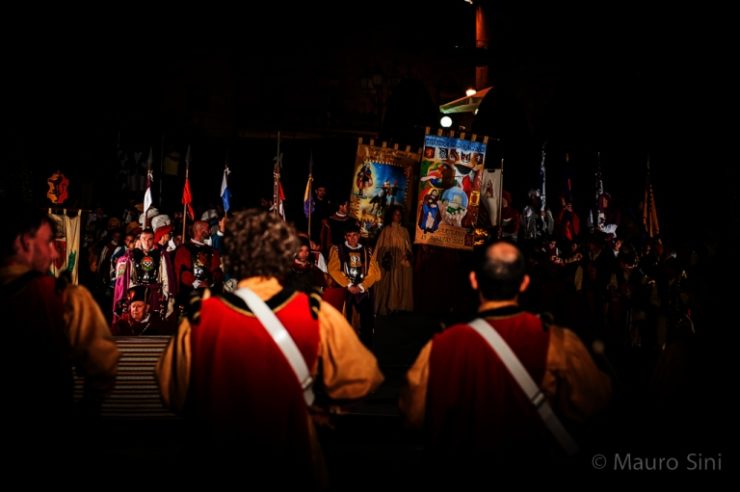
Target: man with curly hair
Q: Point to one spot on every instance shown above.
(226, 373)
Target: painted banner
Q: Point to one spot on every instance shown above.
(490, 198)
(383, 177)
(449, 191)
(67, 244)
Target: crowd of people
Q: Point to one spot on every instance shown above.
(269, 323)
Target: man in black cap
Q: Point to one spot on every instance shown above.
(138, 320)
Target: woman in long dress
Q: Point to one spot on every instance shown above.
(393, 292)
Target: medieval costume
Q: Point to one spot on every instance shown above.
(393, 292)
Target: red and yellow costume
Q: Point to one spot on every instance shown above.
(472, 407)
(225, 371)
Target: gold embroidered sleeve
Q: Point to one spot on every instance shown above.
(349, 369)
(373, 272)
(335, 268)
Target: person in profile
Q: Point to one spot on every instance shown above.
(52, 330)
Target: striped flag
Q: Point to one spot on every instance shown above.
(649, 212)
(225, 191)
(308, 205)
(281, 208)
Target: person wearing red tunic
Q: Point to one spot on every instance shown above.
(229, 377)
(476, 417)
(49, 328)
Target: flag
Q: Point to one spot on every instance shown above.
(187, 198)
(148, 192)
(149, 181)
(225, 192)
(308, 204)
(67, 244)
(281, 199)
(649, 212)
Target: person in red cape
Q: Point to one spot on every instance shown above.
(227, 375)
(476, 417)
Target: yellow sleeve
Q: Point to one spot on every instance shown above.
(349, 369)
(373, 272)
(414, 393)
(173, 369)
(335, 268)
(572, 380)
(94, 352)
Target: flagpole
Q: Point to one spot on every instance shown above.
(276, 180)
(501, 202)
(310, 194)
(543, 172)
(161, 172)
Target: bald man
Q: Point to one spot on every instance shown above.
(198, 265)
(474, 413)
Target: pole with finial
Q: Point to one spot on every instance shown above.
(309, 212)
(276, 179)
(185, 205)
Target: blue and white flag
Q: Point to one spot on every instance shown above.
(225, 192)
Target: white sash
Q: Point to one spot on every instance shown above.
(522, 377)
(282, 338)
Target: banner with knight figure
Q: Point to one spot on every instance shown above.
(382, 178)
(449, 191)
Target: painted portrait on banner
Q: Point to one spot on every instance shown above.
(449, 191)
(383, 177)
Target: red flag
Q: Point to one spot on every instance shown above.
(187, 199)
(281, 196)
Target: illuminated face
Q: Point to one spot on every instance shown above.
(200, 231)
(138, 310)
(41, 250)
(303, 253)
(146, 241)
(352, 238)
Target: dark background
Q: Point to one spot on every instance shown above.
(627, 80)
